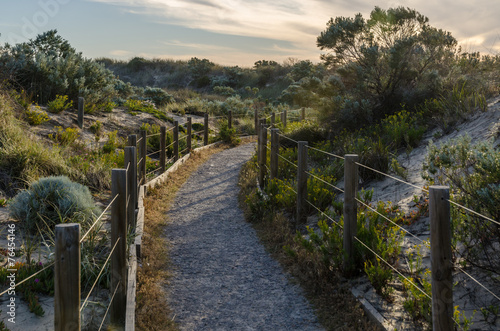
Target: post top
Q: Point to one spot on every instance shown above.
(67, 225)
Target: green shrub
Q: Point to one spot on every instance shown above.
(66, 136)
(473, 173)
(226, 134)
(59, 104)
(112, 143)
(158, 96)
(36, 116)
(53, 200)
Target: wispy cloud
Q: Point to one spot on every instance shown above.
(298, 22)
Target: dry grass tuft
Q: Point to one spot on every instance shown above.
(152, 311)
(327, 290)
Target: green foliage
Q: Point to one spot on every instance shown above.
(47, 66)
(393, 57)
(448, 110)
(53, 200)
(65, 137)
(303, 131)
(112, 143)
(36, 116)
(226, 134)
(158, 96)
(146, 106)
(380, 275)
(416, 303)
(59, 104)
(473, 173)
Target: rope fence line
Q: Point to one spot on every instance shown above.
(324, 181)
(99, 275)
(28, 278)
(474, 212)
(153, 135)
(149, 155)
(319, 150)
(109, 305)
(140, 161)
(290, 188)
(172, 144)
(324, 214)
(392, 177)
(152, 172)
(99, 218)
(477, 282)
(283, 136)
(388, 219)
(408, 280)
(139, 140)
(285, 159)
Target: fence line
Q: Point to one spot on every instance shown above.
(99, 275)
(109, 305)
(99, 218)
(441, 316)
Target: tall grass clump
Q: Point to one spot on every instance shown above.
(23, 158)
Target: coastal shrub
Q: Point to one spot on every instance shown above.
(65, 137)
(473, 173)
(59, 104)
(36, 116)
(50, 201)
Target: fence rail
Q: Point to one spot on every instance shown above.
(439, 209)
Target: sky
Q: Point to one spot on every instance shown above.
(227, 32)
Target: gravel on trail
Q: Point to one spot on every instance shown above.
(223, 278)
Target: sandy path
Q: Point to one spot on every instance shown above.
(223, 278)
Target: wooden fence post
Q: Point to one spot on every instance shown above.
(230, 119)
(301, 182)
(273, 119)
(274, 152)
(131, 164)
(119, 257)
(263, 154)
(142, 156)
(350, 209)
(441, 266)
(189, 128)
(163, 148)
(302, 114)
(176, 140)
(132, 141)
(81, 110)
(205, 135)
(67, 277)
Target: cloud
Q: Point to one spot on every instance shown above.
(121, 53)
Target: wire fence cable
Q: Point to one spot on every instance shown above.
(99, 218)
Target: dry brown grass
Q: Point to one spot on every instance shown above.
(152, 311)
(327, 290)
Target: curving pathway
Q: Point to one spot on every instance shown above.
(223, 277)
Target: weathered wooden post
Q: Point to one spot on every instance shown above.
(176, 140)
(263, 155)
(273, 119)
(350, 209)
(230, 119)
(302, 114)
(144, 152)
(163, 148)
(301, 183)
(119, 257)
(274, 152)
(284, 117)
(441, 264)
(81, 110)
(131, 164)
(67, 277)
(205, 135)
(189, 128)
(132, 141)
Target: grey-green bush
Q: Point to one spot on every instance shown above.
(53, 200)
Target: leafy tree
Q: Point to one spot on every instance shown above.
(393, 57)
(47, 66)
(200, 70)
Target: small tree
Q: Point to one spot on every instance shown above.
(393, 57)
